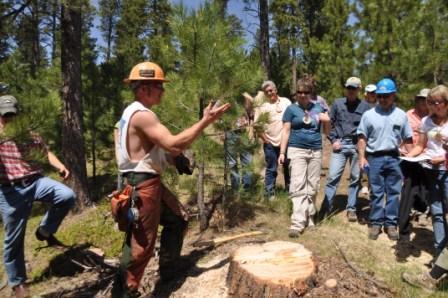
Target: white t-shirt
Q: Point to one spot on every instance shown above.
(273, 129)
(434, 145)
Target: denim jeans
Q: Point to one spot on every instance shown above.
(271, 154)
(15, 206)
(437, 199)
(337, 165)
(385, 178)
(239, 159)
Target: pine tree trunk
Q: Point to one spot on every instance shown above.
(264, 38)
(294, 72)
(273, 269)
(54, 18)
(203, 222)
(73, 149)
(35, 43)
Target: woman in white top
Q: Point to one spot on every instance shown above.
(433, 134)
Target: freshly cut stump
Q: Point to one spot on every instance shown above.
(272, 269)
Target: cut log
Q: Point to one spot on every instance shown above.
(273, 269)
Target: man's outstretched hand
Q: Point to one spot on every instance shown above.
(211, 114)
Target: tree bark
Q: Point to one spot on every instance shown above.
(73, 148)
(272, 269)
(264, 38)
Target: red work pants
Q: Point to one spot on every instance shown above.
(156, 204)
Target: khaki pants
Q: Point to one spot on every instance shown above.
(442, 259)
(305, 168)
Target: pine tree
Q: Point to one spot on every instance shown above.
(109, 12)
(211, 63)
(72, 125)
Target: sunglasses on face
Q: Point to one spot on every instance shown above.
(351, 88)
(303, 92)
(159, 86)
(382, 96)
(434, 102)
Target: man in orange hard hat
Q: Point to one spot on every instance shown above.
(144, 148)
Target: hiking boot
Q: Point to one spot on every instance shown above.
(392, 233)
(51, 240)
(20, 291)
(422, 280)
(351, 216)
(374, 232)
(293, 233)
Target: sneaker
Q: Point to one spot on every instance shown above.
(351, 216)
(51, 240)
(365, 191)
(293, 233)
(392, 233)
(374, 232)
(422, 280)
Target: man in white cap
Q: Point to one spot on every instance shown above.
(345, 116)
(369, 95)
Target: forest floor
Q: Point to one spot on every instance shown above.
(342, 251)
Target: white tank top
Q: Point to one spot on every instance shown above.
(153, 162)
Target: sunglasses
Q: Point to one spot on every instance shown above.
(351, 88)
(434, 102)
(382, 96)
(303, 92)
(159, 86)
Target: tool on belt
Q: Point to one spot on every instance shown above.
(124, 202)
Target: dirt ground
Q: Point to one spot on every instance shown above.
(81, 272)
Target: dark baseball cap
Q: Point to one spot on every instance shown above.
(8, 104)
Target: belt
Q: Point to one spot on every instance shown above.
(393, 153)
(353, 139)
(24, 182)
(133, 178)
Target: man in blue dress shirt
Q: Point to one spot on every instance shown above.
(345, 116)
(380, 133)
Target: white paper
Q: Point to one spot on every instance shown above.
(418, 158)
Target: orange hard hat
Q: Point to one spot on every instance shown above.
(146, 71)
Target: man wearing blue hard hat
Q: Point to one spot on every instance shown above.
(380, 133)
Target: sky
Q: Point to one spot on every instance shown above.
(234, 7)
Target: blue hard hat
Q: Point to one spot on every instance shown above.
(385, 86)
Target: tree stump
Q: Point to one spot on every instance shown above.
(273, 269)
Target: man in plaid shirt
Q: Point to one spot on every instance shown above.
(21, 183)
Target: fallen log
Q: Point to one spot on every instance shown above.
(273, 269)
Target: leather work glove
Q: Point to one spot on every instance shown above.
(183, 165)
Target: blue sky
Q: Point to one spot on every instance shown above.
(235, 7)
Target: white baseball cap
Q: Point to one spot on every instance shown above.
(370, 88)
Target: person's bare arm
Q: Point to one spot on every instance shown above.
(284, 141)
(419, 147)
(362, 143)
(325, 119)
(158, 134)
(56, 163)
